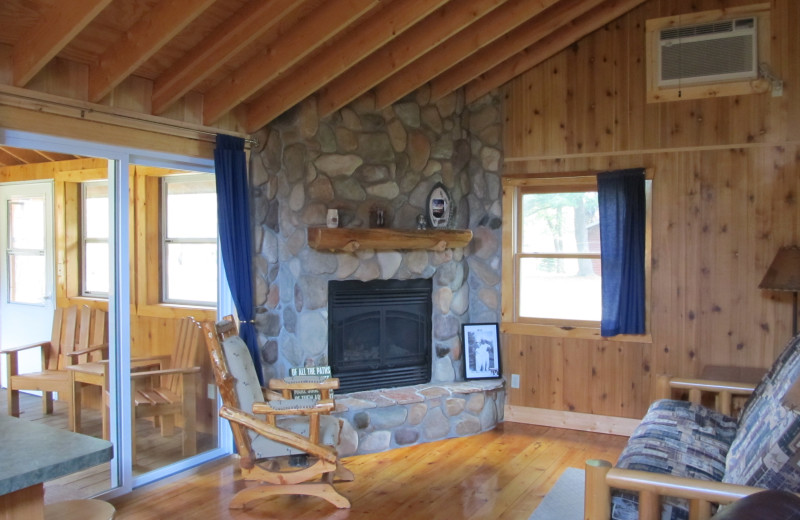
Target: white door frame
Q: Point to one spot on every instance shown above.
(122, 480)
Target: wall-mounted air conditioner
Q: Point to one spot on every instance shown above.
(714, 52)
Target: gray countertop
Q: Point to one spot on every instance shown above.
(32, 453)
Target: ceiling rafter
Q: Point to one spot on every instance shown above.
(511, 43)
(306, 36)
(232, 36)
(386, 24)
(457, 48)
(151, 32)
(581, 26)
(432, 31)
(56, 28)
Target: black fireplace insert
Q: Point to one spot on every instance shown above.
(379, 333)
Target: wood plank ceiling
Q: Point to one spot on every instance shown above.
(261, 57)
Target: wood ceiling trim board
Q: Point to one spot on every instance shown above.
(151, 32)
(468, 41)
(432, 31)
(57, 27)
(324, 23)
(335, 59)
(235, 34)
(576, 29)
(510, 44)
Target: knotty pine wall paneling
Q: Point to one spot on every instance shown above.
(725, 197)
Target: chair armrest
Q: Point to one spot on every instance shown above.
(286, 437)
(9, 350)
(88, 350)
(325, 406)
(601, 477)
(164, 372)
(724, 390)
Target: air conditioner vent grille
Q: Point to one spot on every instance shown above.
(707, 58)
(724, 50)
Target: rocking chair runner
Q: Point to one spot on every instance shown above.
(292, 427)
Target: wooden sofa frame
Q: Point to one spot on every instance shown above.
(701, 494)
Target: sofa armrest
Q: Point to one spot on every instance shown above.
(724, 390)
(601, 477)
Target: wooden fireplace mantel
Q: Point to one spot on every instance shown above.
(353, 239)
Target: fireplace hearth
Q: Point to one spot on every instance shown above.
(379, 333)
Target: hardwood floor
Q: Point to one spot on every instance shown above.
(502, 474)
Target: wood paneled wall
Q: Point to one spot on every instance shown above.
(725, 198)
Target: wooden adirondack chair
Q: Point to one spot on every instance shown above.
(79, 335)
(170, 391)
(294, 428)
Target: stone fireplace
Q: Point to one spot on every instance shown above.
(379, 333)
(357, 160)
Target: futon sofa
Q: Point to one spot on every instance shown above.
(686, 456)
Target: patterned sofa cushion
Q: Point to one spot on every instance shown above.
(764, 453)
(675, 438)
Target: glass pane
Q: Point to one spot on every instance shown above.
(26, 223)
(560, 223)
(95, 210)
(560, 288)
(191, 207)
(191, 272)
(96, 276)
(26, 273)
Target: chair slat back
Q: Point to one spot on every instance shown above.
(215, 334)
(76, 328)
(185, 354)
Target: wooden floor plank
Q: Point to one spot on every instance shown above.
(499, 474)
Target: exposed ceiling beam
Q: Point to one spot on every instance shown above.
(234, 35)
(58, 25)
(333, 60)
(7, 158)
(457, 48)
(509, 45)
(300, 41)
(432, 31)
(154, 29)
(543, 49)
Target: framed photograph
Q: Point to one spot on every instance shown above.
(481, 350)
(440, 207)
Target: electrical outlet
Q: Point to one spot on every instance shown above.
(212, 391)
(777, 88)
(514, 380)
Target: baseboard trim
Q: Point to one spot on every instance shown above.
(571, 420)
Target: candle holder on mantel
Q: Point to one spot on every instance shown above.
(784, 275)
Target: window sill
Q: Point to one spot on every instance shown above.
(555, 331)
(164, 310)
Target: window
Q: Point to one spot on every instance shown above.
(552, 279)
(94, 239)
(189, 239)
(25, 253)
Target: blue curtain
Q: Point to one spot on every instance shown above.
(233, 214)
(621, 197)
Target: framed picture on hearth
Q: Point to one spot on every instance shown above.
(481, 350)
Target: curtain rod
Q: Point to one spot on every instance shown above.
(90, 108)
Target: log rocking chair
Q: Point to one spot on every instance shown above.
(291, 451)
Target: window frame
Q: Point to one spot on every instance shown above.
(83, 292)
(165, 240)
(147, 276)
(512, 322)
